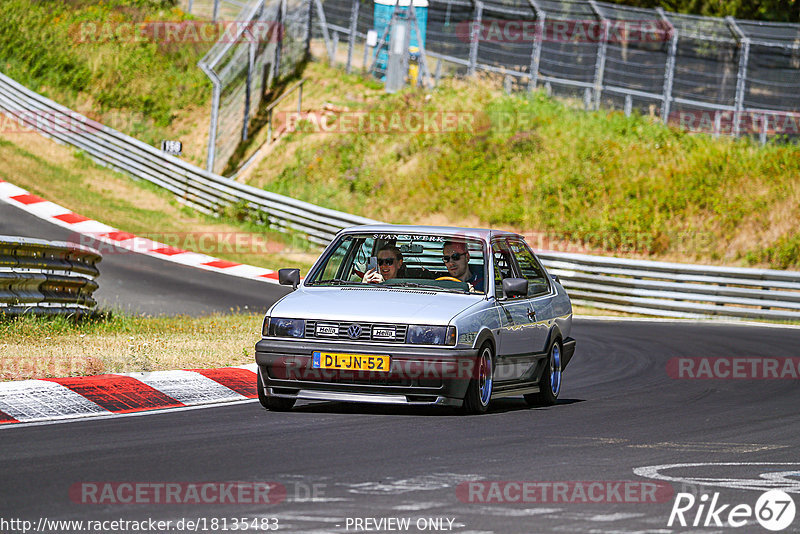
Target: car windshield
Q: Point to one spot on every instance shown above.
(426, 262)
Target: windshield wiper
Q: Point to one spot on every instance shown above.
(336, 282)
(428, 286)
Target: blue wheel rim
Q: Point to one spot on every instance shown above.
(555, 369)
(485, 377)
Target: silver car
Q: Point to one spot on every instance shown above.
(417, 315)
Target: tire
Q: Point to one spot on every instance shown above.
(479, 391)
(274, 404)
(550, 383)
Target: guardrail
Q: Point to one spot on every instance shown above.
(676, 289)
(46, 277)
(644, 287)
(192, 185)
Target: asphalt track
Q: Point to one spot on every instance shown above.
(619, 410)
(137, 283)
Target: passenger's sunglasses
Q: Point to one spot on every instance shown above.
(455, 256)
(387, 261)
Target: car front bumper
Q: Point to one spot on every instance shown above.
(417, 375)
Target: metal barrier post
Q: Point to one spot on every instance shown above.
(324, 25)
(300, 98)
(536, 51)
(600, 66)
(669, 69)
(741, 76)
(309, 28)
(216, 11)
(279, 44)
(212, 127)
(248, 90)
(351, 42)
(423, 55)
(475, 36)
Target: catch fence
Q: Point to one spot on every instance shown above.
(722, 76)
(266, 41)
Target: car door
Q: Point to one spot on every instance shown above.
(538, 304)
(512, 362)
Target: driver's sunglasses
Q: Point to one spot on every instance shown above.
(455, 256)
(387, 261)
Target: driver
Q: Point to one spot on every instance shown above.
(456, 258)
(390, 264)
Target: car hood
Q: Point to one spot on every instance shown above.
(375, 305)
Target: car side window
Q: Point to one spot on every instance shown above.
(530, 269)
(502, 266)
(334, 263)
(363, 253)
(349, 260)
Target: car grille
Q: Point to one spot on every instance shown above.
(370, 332)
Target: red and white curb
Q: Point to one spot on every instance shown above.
(97, 231)
(52, 399)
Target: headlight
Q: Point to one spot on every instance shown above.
(431, 335)
(285, 327)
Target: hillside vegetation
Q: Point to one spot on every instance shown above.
(81, 54)
(610, 183)
(595, 182)
(772, 10)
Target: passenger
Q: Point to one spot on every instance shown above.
(390, 265)
(456, 259)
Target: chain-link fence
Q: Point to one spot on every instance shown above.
(263, 42)
(721, 76)
(215, 9)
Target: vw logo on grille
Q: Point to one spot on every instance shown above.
(354, 331)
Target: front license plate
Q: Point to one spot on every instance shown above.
(350, 362)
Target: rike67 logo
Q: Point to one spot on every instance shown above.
(774, 510)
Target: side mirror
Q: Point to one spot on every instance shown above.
(289, 277)
(515, 287)
(555, 278)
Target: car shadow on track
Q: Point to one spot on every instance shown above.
(498, 406)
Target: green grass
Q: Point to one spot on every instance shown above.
(74, 181)
(37, 347)
(46, 47)
(613, 183)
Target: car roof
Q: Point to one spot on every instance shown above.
(456, 231)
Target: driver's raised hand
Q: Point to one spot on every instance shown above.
(372, 277)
